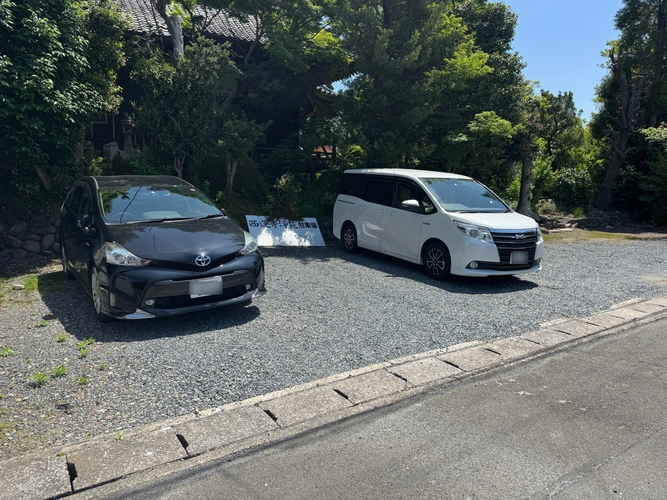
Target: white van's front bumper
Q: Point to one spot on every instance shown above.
(486, 255)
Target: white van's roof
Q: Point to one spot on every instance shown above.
(407, 172)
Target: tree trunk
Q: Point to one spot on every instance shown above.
(604, 195)
(526, 177)
(44, 177)
(231, 172)
(176, 32)
(624, 123)
(178, 166)
(659, 69)
(173, 25)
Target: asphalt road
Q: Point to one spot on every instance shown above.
(587, 422)
(325, 312)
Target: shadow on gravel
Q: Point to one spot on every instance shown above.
(74, 309)
(393, 267)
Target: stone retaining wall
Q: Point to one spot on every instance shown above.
(38, 236)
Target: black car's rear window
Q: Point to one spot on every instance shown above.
(145, 203)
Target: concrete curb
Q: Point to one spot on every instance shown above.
(90, 468)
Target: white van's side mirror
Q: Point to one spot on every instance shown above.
(411, 205)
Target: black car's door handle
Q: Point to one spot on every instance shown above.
(87, 244)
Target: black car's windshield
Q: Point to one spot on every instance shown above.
(464, 196)
(155, 204)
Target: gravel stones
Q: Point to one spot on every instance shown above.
(326, 312)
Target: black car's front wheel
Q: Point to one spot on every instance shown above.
(96, 294)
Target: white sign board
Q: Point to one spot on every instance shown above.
(284, 232)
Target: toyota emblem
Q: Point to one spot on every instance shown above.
(202, 260)
(520, 236)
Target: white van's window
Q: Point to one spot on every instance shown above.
(464, 195)
(379, 191)
(351, 184)
(409, 192)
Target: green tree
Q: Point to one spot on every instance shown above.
(655, 184)
(407, 55)
(58, 64)
(181, 109)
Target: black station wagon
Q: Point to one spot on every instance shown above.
(146, 246)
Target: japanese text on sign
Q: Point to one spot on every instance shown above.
(284, 232)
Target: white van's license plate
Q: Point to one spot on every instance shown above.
(519, 258)
(206, 287)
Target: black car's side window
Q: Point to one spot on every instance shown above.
(86, 207)
(75, 198)
(379, 191)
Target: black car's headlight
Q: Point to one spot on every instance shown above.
(116, 254)
(250, 244)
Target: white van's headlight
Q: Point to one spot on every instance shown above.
(250, 244)
(116, 254)
(477, 232)
(539, 235)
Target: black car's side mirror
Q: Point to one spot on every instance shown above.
(83, 223)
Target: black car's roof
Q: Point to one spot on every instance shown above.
(118, 181)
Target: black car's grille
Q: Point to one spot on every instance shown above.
(178, 301)
(514, 242)
(181, 266)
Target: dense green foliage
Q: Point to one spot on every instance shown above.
(641, 182)
(58, 63)
(430, 84)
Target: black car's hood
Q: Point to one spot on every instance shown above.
(180, 240)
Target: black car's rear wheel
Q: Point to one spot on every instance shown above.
(96, 294)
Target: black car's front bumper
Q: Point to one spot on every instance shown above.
(146, 292)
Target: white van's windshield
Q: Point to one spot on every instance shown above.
(464, 196)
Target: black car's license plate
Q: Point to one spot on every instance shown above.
(519, 258)
(206, 287)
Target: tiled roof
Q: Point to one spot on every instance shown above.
(146, 20)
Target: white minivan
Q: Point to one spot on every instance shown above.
(448, 223)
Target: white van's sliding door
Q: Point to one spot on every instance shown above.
(403, 225)
(378, 198)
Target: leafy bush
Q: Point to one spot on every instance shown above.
(511, 194)
(544, 179)
(573, 188)
(285, 196)
(654, 189)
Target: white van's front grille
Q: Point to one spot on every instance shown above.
(514, 242)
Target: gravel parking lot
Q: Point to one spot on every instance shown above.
(325, 312)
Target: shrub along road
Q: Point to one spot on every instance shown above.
(326, 312)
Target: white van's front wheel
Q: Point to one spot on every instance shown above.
(349, 237)
(437, 262)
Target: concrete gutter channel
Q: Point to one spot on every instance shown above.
(166, 447)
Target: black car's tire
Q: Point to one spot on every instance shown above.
(96, 294)
(437, 262)
(67, 273)
(349, 237)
